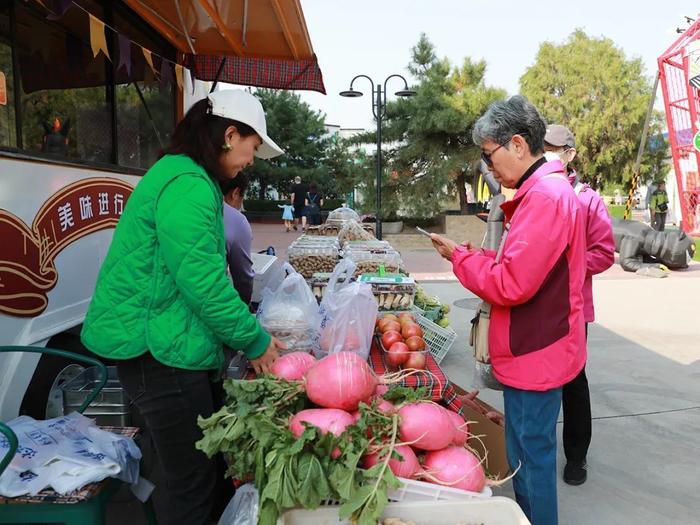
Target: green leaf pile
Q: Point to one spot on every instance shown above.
(252, 433)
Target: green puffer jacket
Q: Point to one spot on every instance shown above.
(163, 287)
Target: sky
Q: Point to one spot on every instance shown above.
(375, 37)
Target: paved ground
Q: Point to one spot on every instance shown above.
(644, 374)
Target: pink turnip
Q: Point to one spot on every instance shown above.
(341, 380)
(293, 366)
(406, 467)
(461, 429)
(454, 467)
(425, 426)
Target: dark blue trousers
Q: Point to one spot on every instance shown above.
(531, 442)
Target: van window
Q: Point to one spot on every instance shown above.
(8, 130)
(77, 106)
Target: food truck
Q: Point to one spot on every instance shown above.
(89, 92)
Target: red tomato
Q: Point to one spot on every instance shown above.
(411, 329)
(415, 360)
(397, 354)
(415, 343)
(390, 316)
(389, 326)
(389, 338)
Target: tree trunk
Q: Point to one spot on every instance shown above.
(262, 190)
(461, 181)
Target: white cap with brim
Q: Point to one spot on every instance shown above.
(240, 105)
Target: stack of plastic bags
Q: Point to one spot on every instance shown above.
(65, 454)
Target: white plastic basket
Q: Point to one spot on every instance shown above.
(438, 339)
(413, 491)
(491, 511)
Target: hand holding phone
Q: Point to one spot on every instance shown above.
(421, 230)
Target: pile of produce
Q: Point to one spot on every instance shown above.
(433, 308)
(332, 430)
(402, 342)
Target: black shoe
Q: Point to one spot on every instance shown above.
(575, 472)
(295, 228)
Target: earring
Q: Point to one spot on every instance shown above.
(226, 146)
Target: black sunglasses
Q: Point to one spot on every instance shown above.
(486, 157)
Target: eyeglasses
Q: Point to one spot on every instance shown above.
(486, 157)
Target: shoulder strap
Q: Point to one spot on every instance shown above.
(579, 187)
(499, 253)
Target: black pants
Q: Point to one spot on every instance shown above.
(576, 404)
(659, 222)
(169, 401)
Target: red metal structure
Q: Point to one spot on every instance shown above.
(682, 103)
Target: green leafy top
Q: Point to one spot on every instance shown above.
(252, 432)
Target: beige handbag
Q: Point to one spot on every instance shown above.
(479, 337)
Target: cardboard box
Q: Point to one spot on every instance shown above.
(492, 436)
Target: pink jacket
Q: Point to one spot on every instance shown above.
(536, 334)
(600, 244)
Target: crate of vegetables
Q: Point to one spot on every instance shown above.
(434, 338)
(401, 341)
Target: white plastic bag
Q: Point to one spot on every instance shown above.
(348, 313)
(289, 312)
(65, 453)
(243, 507)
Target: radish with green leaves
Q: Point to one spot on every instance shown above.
(425, 426)
(406, 467)
(293, 366)
(342, 380)
(454, 467)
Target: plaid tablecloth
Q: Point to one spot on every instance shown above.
(84, 494)
(440, 387)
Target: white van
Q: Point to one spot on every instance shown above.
(78, 129)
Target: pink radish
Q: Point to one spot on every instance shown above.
(356, 415)
(293, 366)
(454, 467)
(381, 390)
(407, 467)
(386, 407)
(327, 419)
(341, 380)
(425, 426)
(461, 429)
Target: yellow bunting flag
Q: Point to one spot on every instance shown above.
(149, 58)
(98, 41)
(179, 75)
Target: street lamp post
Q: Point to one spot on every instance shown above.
(379, 111)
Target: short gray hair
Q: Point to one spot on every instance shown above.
(505, 118)
(297, 179)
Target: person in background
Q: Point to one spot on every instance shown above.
(163, 306)
(312, 206)
(287, 215)
(560, 144)
(658, 207)
(534, 284)
(299, 191)
(239, 237)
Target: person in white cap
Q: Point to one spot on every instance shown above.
(163, 305)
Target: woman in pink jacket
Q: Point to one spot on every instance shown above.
(560, 144)
(536, 333)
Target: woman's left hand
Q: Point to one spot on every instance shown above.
(263, 364)
(443, 245)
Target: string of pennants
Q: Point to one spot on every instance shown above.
(98, 43)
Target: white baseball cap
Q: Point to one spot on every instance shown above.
(240, 105)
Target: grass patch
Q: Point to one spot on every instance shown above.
(616, 210)
(696, 257)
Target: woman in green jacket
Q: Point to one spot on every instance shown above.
(163, 305)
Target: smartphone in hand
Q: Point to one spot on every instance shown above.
(421, 230)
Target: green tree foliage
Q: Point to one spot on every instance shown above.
(431, 152)
(299, 131)
(590, 86)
